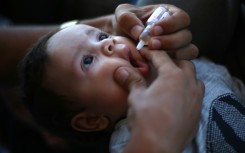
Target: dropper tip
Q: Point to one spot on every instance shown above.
(140, 45)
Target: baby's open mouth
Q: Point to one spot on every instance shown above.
(140, 65)
(132, 61)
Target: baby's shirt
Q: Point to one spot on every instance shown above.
(221, 127)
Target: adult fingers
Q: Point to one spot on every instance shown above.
(195, 91)
(188, 52)
(189, 68)
(129, 79)
(160, 60)
(171, 41)
(177, 20)
(196, 85)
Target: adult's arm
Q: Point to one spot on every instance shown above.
(14, 42)
(163, 117)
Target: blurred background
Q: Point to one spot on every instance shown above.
(54, 11)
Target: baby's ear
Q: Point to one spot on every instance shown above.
(87, 121)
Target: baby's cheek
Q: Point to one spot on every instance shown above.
(118, 104)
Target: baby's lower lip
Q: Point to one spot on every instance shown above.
(142, 67)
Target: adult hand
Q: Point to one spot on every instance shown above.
(164, 116)
(170, 34)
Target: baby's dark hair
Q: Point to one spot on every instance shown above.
(48, 109)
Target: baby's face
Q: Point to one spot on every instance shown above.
(81, 63)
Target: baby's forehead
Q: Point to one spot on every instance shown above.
(72, 32)
(77, 29)
(69, 35)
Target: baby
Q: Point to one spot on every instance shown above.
(69, 88)
(68, 82)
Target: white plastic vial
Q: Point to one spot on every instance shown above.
(157, 15)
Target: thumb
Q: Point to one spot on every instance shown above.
(129, 79)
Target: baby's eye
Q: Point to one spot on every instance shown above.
(87, 61)
(103, 36)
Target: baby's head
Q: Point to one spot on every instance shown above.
(68, 80)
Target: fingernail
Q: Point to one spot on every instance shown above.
(157, 30)
(122, 75)
(155, 44)
(135, 31)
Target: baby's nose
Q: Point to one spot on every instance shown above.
(108, 46)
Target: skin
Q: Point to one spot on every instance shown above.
(173, 123)
(81, 63)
